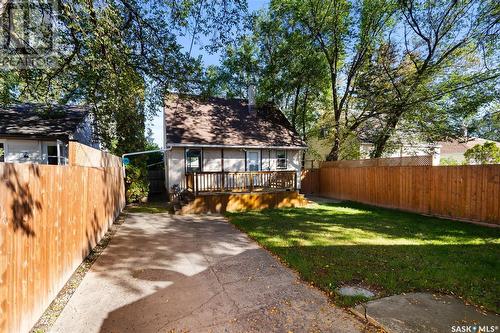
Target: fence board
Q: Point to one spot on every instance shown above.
(371, 162)
(469, 192)
(50, 217)
(309, 181)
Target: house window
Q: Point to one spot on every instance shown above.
(2, 152)
(193, 160)
(323, 133)
(253, 160)
(52, 155)
(281, 159)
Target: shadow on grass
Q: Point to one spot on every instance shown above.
(391, 251)
(359, 218)
(151, 208)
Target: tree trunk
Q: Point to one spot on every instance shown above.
(384, 137)
(304, 106)
(334, 152)
(295, 105)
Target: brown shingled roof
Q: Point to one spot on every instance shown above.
(460, 147)
(39, 120)
(218, 121)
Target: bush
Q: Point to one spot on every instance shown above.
(449, 161)
(137, 181)
(488, 153)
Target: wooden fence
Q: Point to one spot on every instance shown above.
(309, 181)
(389, 161)
(82, 155)
(469, 192)
(50, 218)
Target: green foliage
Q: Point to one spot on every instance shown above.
(449, 162)
(432, 78)
(137, 181)
(487, 153)
(154, 160)
(111, 54)
(151, 208)
(381, 70)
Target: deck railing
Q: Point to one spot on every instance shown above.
(241, 181)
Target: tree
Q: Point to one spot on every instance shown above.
(110, 54)
(279, 60)
(486, 122)
(440, 50)
(487, 153)
(346, 34)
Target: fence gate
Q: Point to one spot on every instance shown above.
(156, 182)
(309, 181)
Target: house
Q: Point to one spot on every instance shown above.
(453, 151)
(405, 150)
(36, 133)
(229, 145)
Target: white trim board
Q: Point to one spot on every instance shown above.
(188, 145)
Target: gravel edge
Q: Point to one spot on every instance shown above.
(57, 305)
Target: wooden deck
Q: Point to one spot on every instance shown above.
(233, 202)
(241, 182)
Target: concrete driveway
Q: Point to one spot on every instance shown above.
(163, 273)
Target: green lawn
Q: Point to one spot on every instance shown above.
(391, 251)
(150, 207)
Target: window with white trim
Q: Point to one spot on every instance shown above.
(193, 160)
(280, 159)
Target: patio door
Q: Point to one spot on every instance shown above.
(253, 160)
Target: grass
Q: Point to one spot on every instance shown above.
(391, 251)
(150, 207)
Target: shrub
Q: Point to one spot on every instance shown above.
(137, 181)
(487, 153)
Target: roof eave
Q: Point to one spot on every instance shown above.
(64, 137)
(201, 145)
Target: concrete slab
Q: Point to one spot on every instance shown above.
(424, 312)
(355, 291)
(164, 273)
(320, 200)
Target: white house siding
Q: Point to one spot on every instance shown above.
(35, 150)
(176, 167)
(234, 161)
(294, 158)
(405, 151)
(266, 159)
(212, 159)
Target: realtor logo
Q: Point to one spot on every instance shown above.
(27, 38)
(474, 329)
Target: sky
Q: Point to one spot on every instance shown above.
(208, 59)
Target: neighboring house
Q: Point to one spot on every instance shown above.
(35, 133)
(453, 151)
(227, 135)
(406, 150)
